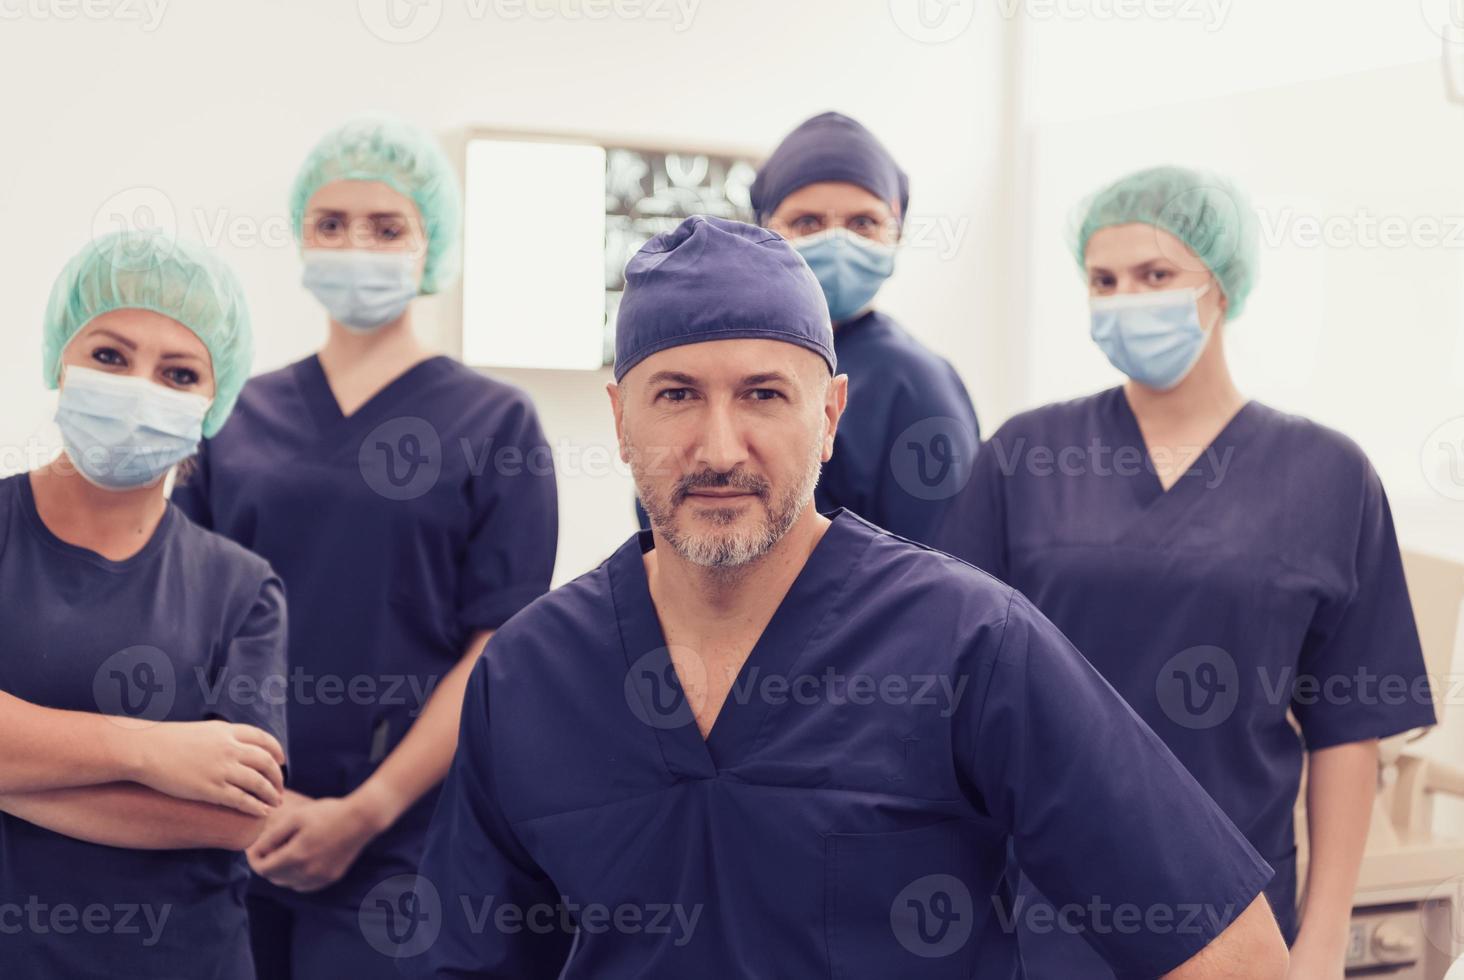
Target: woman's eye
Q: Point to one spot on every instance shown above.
(807, 224)
(1157, 276)
(108, 356)
(182, 377)
(330, 226)
(1101, 283)
(390, 232)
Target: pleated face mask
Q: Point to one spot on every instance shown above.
(850, 268)
(124, 432)
(1154, 338)
(361, 290)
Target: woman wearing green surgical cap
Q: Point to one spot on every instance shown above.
(1223, 564)
(409, 504)
(135, 779)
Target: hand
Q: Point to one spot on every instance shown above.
(1313, 961)
(308, 844)
(218, 762)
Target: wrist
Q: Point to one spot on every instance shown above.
(1329, 940)
(130, 753)
(375, 806)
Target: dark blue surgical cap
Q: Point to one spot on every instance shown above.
(830, 147)
(714, 279)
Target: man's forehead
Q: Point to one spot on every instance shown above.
(729, 362)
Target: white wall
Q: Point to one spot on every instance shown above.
(204, 117)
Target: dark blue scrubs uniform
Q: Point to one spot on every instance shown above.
(427, 515)
(902, 718)
(908, 437)
(191, 627)
(1267, 579)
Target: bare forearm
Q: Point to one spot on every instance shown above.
(133, 816)
(425, 753)
(47, 748)
(1341, 786)
(1250, 949)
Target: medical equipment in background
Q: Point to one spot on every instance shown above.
(550, 221)
(1408, 912)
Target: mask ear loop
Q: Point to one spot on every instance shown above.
(1219, 313)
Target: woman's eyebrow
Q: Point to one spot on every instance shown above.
(103, 331)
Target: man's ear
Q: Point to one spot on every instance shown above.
(836, 399)
(617, 409)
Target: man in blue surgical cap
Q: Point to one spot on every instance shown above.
(907, 442)
(762, 742)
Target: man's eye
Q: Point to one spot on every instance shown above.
(807, 224)
(765, 394)
(330, 226)
(675, 394)
(390, 232)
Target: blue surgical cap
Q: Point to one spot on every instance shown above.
(830, 147)
(714, 279)
(148, 271)
(407, 160)
(1209, 213)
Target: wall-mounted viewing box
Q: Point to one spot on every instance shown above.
(551, 221)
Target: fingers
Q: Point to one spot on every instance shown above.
(263, 765)
(237, 799)
(261, 738)
(257, 787)
(277, 833)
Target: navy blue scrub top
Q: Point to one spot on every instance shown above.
(901, 719)
(1266, 579)
(908, 437)
(427, 515)
(191, 627)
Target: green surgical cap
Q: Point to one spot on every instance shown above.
(150, 271)
(404, 158)
(1209, 213)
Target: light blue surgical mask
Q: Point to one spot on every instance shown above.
(1154, 338)
(361, 290)
(850, 268)
(123, 432)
